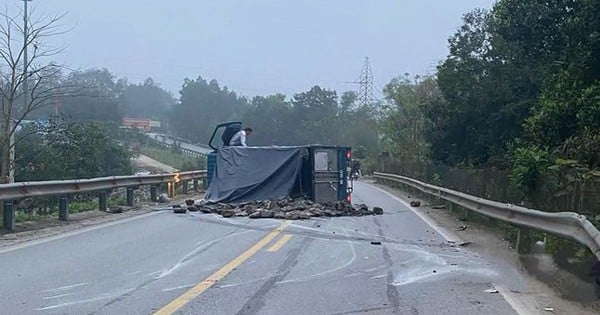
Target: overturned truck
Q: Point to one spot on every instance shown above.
(243, 174)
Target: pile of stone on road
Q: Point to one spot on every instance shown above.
(287, 208)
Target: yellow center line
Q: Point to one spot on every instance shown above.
(279, 244)
(192, 293)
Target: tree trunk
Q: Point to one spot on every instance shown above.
(5, 158)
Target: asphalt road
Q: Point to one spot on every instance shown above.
(204, 264)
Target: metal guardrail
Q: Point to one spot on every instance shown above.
(567, 224)
(10, 192)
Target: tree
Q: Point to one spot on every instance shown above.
(27, 83)
(99, 97)
(145, 100)
(315, 114)
(404, 128)
(358, 125)
(272, 116)
(202, 106)
(64, 149)
(488, 94)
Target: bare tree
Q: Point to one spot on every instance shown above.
(26, 83)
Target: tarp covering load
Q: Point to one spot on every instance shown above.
(255, 173)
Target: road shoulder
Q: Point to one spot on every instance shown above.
(490, 245)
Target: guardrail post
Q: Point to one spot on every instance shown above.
(8, 215)
(171, 189)
(153, 194)
(196, 185)
(518, 242)
(102, 204)
(130, 196)
(184, 186)
(63, 211)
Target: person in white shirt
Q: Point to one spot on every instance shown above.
(239, 139)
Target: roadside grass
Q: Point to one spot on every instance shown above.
(26, 214)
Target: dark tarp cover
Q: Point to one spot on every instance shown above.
(254, 173)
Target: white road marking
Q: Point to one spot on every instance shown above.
(450, 237)
(67, 287)
(98, 298)
(185, 286)
(56, 296)
(76, 232)
(200, 246)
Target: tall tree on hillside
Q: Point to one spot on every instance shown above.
(487, 93)
(315, 112)
(27, 81)
(271, 117)
(404, 128)
(566, 39)
(146, 100)
(202, 106)
(358, 124)
(98, 100)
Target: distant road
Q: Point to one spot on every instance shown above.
(187, 146)
(143, 162)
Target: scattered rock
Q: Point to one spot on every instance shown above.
(415, 203)
(375, 243)
(491, 291)
(192, 208)
(286, 208)
(163, 198)
(462, 228)
(117, 210)
(254, 215)
(438, 207)
(179, 209)
(189, 202)
(266, 214)
(465, 243)
(228, 213)
(205, 210)
(279, 215)
(292, 215)
(304, 215)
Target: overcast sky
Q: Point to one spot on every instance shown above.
(258, 47)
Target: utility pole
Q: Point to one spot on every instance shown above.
(365, 82)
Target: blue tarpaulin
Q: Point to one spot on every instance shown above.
(255, 173)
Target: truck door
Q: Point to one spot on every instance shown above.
(325, 174)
